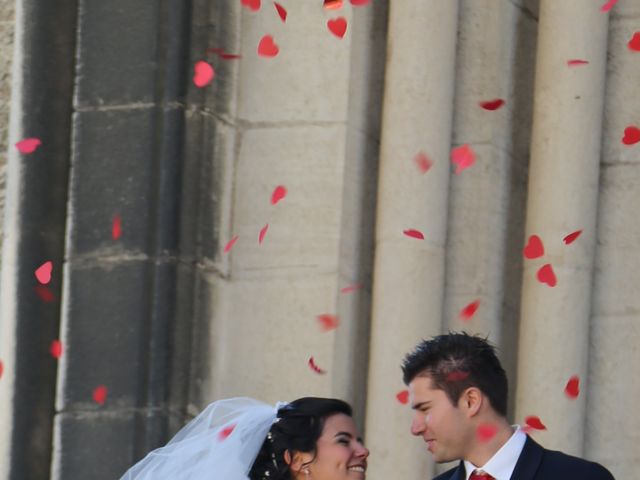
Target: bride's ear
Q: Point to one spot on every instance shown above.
(295, 461)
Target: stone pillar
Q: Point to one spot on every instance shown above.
(612, 428)
(496, 55)
(409, 273)
(563, 193)
(34, 226)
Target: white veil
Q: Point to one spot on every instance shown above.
(221, 443)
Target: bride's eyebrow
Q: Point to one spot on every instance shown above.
(347, 434)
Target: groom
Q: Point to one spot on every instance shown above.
(458, 391)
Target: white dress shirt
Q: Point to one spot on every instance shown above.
(503, 462)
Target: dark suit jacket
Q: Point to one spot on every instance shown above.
(538, 463)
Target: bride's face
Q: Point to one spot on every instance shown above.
(340, 454)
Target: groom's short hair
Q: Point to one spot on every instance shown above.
(457, 361)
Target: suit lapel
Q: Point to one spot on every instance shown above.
(459, 473)
(529, 461)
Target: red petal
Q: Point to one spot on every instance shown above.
(456, 376)
(116, 227)
(535, 423)
(332, 4)
(492, 105)
(267, 47)
(470, 310)
(359, 3)
(337, 26)
(43, 272)
(351, 288)
(28, 145)
(608, 6)
(547, 275)
(328, 322)
(263, 232)
(45, 293)
(225, 432)
(403, 397)
(572, 389)
(534, 247)
(100, 394)
(278, 194)
(634, 43)
(423, 162)
(414, 234)
(569, 239)
(486, 432)
(1, 368)
(56, 349)
(281, 11)
(463, 157)
(229, 56)
(251, 4)
(314, 367)
(576, 62)
(203, 74)
(631, 133)
(230, 243)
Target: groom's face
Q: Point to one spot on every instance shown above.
(442, 425)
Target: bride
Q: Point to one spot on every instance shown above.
(244, 439)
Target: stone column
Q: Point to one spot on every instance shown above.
(613, 386)
(563, 194)
(408, 272)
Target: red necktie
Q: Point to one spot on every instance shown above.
(476, 475)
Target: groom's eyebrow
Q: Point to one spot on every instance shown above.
(420, 405)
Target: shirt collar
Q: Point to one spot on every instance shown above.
(503, 462)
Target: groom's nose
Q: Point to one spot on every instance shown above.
(417, 425)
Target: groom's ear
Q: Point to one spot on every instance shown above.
(471, 400)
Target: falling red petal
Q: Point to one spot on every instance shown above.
(634, 43)
(1, 368)
(423, 162)
(337, 26)
(45, 293)
(229, 56)
(314, 367)
(359, 3)
(462, 157)
(332, 4)
(569, 239)
(608, 6)
(263, 232)
(56, 349)
(546, 275)
(225, 432)
(631, 135)
(100, 394)
(457, 376)
(414, 234)
(328, 322)
(28, 145)
(572, 389)
(116, 227)
(470, 310)
(278, 194)
(251, 4)
(230, 243)
(43, 272)
(203, 74)
(351, 288)
(267, 47)
(535, 423)
(486, 432)
(576, 62)
(492, 105)
(281, 11)
(403, 397)
(534, 248)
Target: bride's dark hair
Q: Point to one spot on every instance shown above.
(297, 429)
